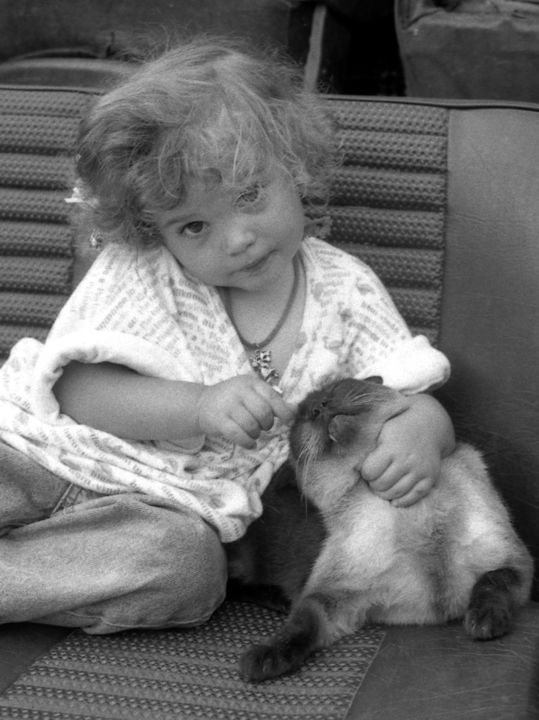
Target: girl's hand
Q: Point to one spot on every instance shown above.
(240, 408)
(406, 463)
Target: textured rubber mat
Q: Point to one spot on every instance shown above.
(177, 675)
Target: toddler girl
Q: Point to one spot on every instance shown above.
(141, 435)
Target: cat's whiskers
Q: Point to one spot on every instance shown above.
(308, 454)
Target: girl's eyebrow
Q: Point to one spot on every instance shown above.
(179, 219)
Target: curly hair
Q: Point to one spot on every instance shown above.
(203, 105)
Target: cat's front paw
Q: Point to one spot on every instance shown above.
(487, 623)
(262, 662)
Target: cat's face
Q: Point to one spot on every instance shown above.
(335, 429)
(331, 420)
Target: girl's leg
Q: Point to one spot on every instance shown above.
(28, 492)
(132, 562)
(111, 563)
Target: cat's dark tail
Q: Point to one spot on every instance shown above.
(492, 603)
(299, 637)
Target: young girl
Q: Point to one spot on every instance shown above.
(141, 436)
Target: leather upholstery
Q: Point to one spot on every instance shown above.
(490, 308)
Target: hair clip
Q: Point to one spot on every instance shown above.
(75, 198)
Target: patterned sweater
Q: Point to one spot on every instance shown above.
(139, 309)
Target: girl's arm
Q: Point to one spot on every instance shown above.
(406, 462)
(119, 401)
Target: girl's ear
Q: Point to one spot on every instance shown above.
(378, 379)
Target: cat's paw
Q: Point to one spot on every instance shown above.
(487, 622)
(262, 662)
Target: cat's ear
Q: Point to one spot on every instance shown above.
(378, 379)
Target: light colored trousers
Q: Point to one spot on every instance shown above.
(103, 563)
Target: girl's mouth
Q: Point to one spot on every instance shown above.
(257, 264)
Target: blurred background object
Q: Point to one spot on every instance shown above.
(466, 49)
(345, 46)
(82, 43)
(473, 49)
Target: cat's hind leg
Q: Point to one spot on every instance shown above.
(492, 603)
(317, 620)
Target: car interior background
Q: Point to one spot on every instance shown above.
(437, 104)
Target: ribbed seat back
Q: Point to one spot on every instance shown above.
(38, 129)
(389, 200)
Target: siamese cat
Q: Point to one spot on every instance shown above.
(345, 557)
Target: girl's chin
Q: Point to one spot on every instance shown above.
(260, 276)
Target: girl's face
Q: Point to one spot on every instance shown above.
(244, 241)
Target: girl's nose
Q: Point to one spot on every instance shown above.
(238, 236)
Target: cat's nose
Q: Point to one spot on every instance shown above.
(318, 410)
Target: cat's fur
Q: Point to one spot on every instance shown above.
(453, 554)
(271, 563)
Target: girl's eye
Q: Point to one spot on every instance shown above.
(249, 196)
(194, 228)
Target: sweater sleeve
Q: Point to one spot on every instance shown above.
(412, 366)
(383, 344)
(122, 312)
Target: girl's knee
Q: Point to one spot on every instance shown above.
(181, 577)
(193, 571)
(152, 566)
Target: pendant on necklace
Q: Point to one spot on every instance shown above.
(261, 364)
